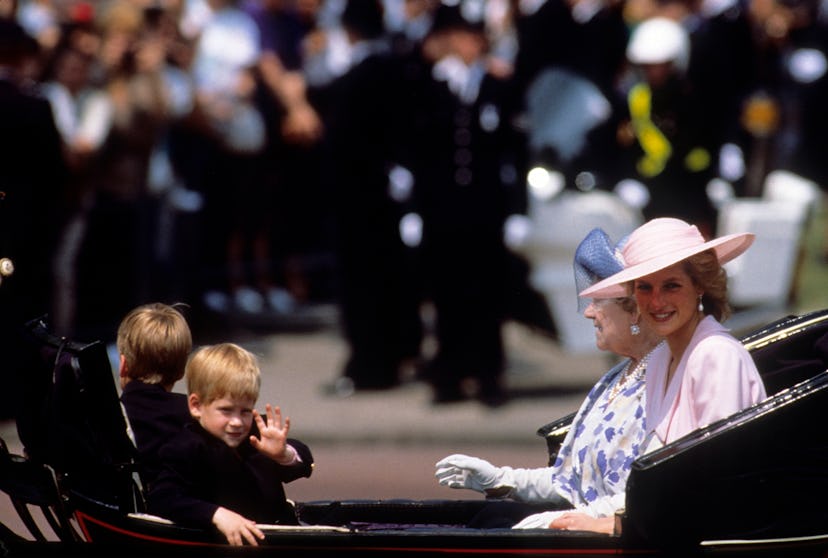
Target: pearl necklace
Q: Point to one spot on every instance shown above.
(631, 374)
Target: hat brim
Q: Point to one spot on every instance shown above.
(726, 247)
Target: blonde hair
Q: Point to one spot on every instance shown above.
(155, 341)
(223, 370)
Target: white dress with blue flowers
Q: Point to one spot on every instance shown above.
(595, 458)
(594, 461)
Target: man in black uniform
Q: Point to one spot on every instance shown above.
(379, 300)
(467, 183)
(32, 174)
(667, 145)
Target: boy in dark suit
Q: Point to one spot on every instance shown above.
(215, 472)
(154, 342)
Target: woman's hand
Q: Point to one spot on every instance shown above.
(273, 436)
(463, 471)
(575, 521)
(236, 528)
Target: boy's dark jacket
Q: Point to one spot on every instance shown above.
(200, 473)
(155, 416)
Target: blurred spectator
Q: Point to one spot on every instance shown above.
(466, 184)
(719, 71)
(585, 36)
(8, 9)
(40, 20)
(326, 48)
(669, 146)
(410, 28)
(121, 227)
(175, 268)
(293, 155)
(238, 203)
(282, 32)
(784, 116)
(84, 116)
(380, 317)
(501, 25)
(32, 175)
(570, 56)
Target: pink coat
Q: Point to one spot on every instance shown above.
(715, 378)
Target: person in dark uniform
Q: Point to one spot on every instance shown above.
(32, 179)
(720, 69)
(667, 146)
(565, 46)
(467, 183)
(378, 292)
(585, 37)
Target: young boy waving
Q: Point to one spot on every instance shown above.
(215, 472)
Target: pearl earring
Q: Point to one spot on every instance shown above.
(634, 329)
(701, 305)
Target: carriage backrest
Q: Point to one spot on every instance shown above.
(790, 350)
(71, 418)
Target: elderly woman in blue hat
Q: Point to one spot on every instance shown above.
(594, 461)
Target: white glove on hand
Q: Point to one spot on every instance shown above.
(539, 520)
(463, 471)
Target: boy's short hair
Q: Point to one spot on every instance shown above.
(223, 370)
(156, 342)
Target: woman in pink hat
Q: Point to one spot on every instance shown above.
(702, 373)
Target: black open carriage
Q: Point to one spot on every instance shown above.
(754, 483)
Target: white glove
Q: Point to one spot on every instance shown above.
(538, 520)
(524, 485)
(463, 471)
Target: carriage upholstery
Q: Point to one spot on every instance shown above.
(790, 350)
(71, 419)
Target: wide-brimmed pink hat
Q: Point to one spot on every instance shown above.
(660, 243)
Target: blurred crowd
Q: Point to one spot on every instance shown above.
(255, 156)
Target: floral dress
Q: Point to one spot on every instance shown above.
(595, 458)
(605, 438)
